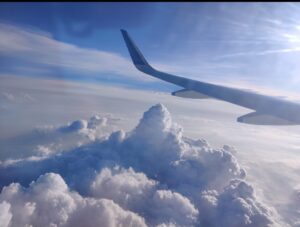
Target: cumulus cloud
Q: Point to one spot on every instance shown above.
(293, 208)
(152, 175)
(236, 206)
(46, 140)
(136, 192)
(123, 186)
(49, 202)
(5, 214)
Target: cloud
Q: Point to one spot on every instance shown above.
(150, 175)
(5, 214)
(6, 98)
(44, 141)
(134, 191)
(49, 202)
(258, 53)
(293, 209)
(124, 186)
(46, 52)
(235, 206)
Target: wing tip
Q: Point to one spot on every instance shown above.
(136, 55)
(123, 31)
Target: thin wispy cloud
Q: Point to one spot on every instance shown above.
(40, 48)
(259, 53)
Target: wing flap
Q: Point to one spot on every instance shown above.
(256, 118)
(186, 93)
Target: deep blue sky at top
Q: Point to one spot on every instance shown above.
(97, 25)
(93, 25)
(253, 42)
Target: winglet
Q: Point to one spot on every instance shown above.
(138, 59)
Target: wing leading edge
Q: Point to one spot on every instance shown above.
(285, 112)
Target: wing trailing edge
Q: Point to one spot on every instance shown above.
(256, 118)
(185, 93)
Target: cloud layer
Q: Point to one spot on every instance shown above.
(47, 54)
(152, 175)
(47, 140)
(49, 202)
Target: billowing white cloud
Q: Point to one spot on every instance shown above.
(175, 207)
(49, 202)
(5, 214)
(134, 191)
(293, 209)
(151, 174)
(235, 206)
(47, 140)
(126, 187)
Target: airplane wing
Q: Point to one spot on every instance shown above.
(268, 110)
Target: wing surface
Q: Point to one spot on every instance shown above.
(268, 105)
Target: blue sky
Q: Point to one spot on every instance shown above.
(232, 43)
